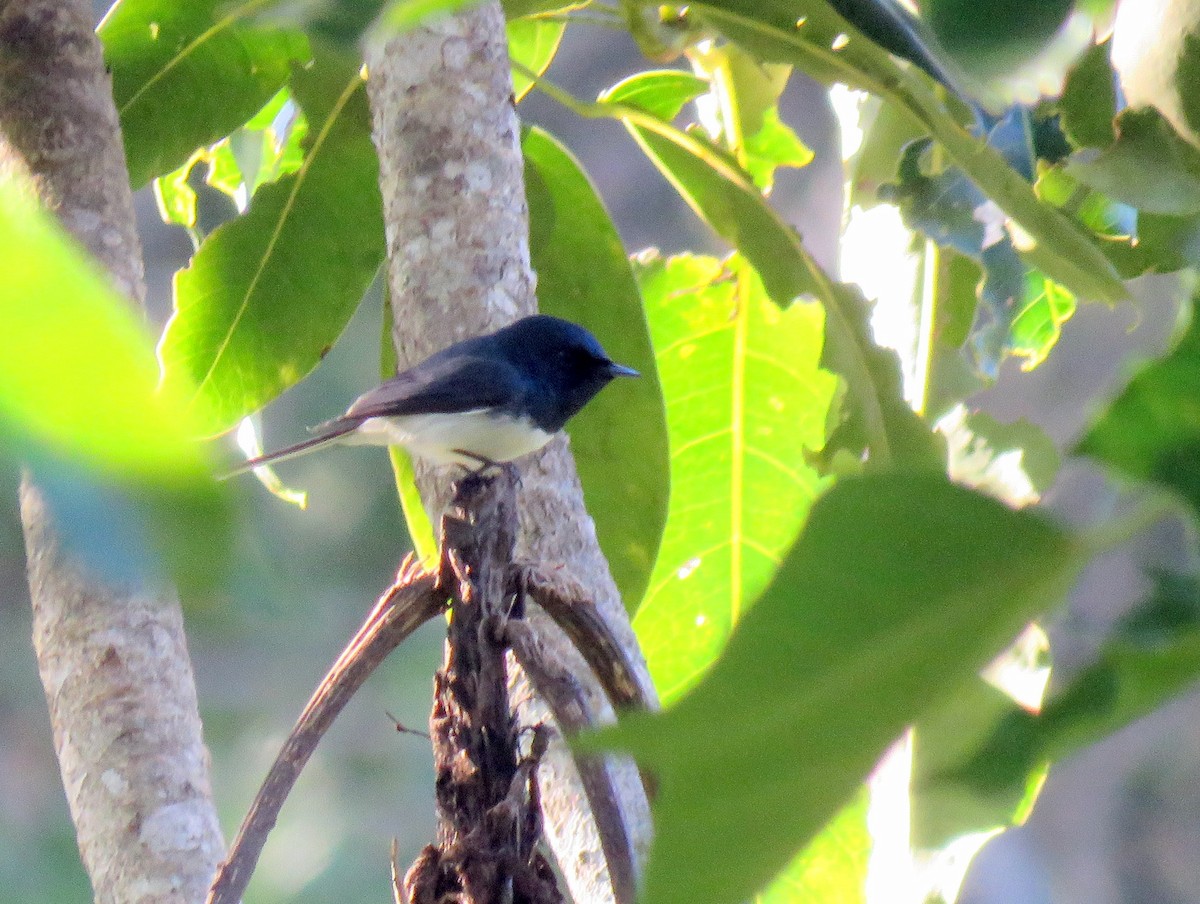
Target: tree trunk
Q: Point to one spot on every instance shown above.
(113, 660)
(452, 178)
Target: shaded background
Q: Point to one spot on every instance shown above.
(1118, 823)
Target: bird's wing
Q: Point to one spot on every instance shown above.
(442, 386)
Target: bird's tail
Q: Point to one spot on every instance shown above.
(331, 432)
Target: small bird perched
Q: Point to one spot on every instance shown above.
(478, 403)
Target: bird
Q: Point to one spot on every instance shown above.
(479, 403)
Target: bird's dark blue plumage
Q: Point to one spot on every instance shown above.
(484, 400)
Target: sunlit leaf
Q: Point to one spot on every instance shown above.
(746, 94)
(264, 150)
(130, 491)
(532, 43)
(747, 406)
(900, 588)
(833, 867)
(186, 74)
(875, 413)
(1039, 317)
(269, 292)
(77, 369)
(175, 198)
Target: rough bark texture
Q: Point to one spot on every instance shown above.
(113, 660)
(451, 175)
(489, 822)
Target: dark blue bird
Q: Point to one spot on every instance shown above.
(480, 402)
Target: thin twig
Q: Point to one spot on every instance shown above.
(567, 701)
(410, 602)
(569, 605)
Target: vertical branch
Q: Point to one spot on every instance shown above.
(487, 804)
(452, 180)
(113, 660)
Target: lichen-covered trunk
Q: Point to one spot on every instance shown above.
(113, 660)
(452, 179)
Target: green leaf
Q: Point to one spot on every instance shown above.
(828, 48)
(1187, 66)
(185, 74)
(990, 38)
(747, 405)
(833, 867)
(620, 440)
(946, 804)
(1152, 657)
(1089, 100)
(519, 9)
(264, 150)
(270, 291)
(77, 369)
(900, 588)
(772, 146)
(877, 416)
(112, 454)
(1148, 166)
(885, 134)
(747, 97)
(175, 199)
(1152, 431)
(1039, 319)
(532, 43)
(1039, 456)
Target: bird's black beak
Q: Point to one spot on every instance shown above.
(620, 370)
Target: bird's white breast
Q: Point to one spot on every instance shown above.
(436, 437)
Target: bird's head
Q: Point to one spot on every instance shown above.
(564, 361)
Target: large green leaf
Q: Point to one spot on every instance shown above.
(1152, 430)
(112, 454)
(186, 74)
(77, 369)
(877, 417)
(269, 292)
(1152, 657)
(814, 38)
(620, 440)
(899, 589)
(994, 37)
(833, 867)
(747, 406)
